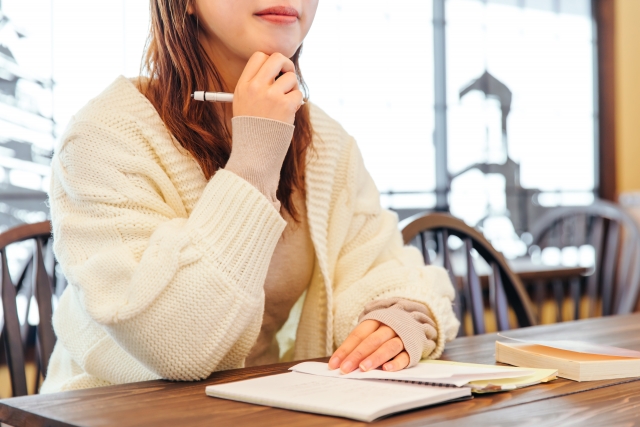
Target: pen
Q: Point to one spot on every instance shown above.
(201, 95)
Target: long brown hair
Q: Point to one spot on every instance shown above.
(177, 65)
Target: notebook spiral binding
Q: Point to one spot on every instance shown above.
(420, 383)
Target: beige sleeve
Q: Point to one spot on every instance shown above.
(259, 148)
(412, 321)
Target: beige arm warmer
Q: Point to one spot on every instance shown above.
(258, 151)
(412, 322)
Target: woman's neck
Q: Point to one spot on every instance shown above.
(229, 67)
(228, 64)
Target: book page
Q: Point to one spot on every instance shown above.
(580, 347)
(360, 400)
(574, 356)
(446, 374)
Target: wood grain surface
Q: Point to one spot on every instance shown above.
(164, 403)
(617, 406)
(531, 274)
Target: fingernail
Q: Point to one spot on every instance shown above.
(387, 366)
(366, 365)
(346, 367)
(334, 362)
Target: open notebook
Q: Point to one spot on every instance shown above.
(437, 373)
(504, 383)
(366, 396)
(359, 400)
(574, 360)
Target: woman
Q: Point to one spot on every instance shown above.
(195, 236)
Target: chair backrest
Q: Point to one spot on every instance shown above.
(432, 230)
(615, 238)
(33, 280)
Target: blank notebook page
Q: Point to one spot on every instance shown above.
(363, 400)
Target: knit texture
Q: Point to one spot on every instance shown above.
(411, 321)
(259, 148)
(166, 269)
(258, 151)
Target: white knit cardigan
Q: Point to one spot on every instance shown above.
(166, 269)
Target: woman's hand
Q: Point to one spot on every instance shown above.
(370, 345)
(259, 94)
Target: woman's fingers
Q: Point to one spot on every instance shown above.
(399, 362)
(254, 64)
(272, 67)
(388, 350)
(286, 83)
(295, 98)
(369, 345)
(259, 94)
(362, 331)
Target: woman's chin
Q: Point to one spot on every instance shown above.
(286, 48)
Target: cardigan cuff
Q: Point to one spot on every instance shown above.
(259, 148)
(410, 321)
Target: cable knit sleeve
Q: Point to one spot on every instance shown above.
(373, 264)
(181, 292)
(410, 320)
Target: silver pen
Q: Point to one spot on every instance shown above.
(201, 95)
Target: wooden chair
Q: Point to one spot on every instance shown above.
(505, 288)
(33, 280)
(613, 286)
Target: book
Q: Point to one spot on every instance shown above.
(574, 360)
(355, 399)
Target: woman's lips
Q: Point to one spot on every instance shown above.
(279, 15)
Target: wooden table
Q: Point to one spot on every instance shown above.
(164, 403)
(531, 272)
(563, 282)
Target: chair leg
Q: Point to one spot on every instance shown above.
(575, 296)
(558, 292)
(11, 331)
(36, 381)
(539, 292)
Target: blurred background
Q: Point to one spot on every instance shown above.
(488, 109)
(518, 118)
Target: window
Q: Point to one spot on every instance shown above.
(521, 110)
(369, 65)
(521, 117)
(54, 57)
